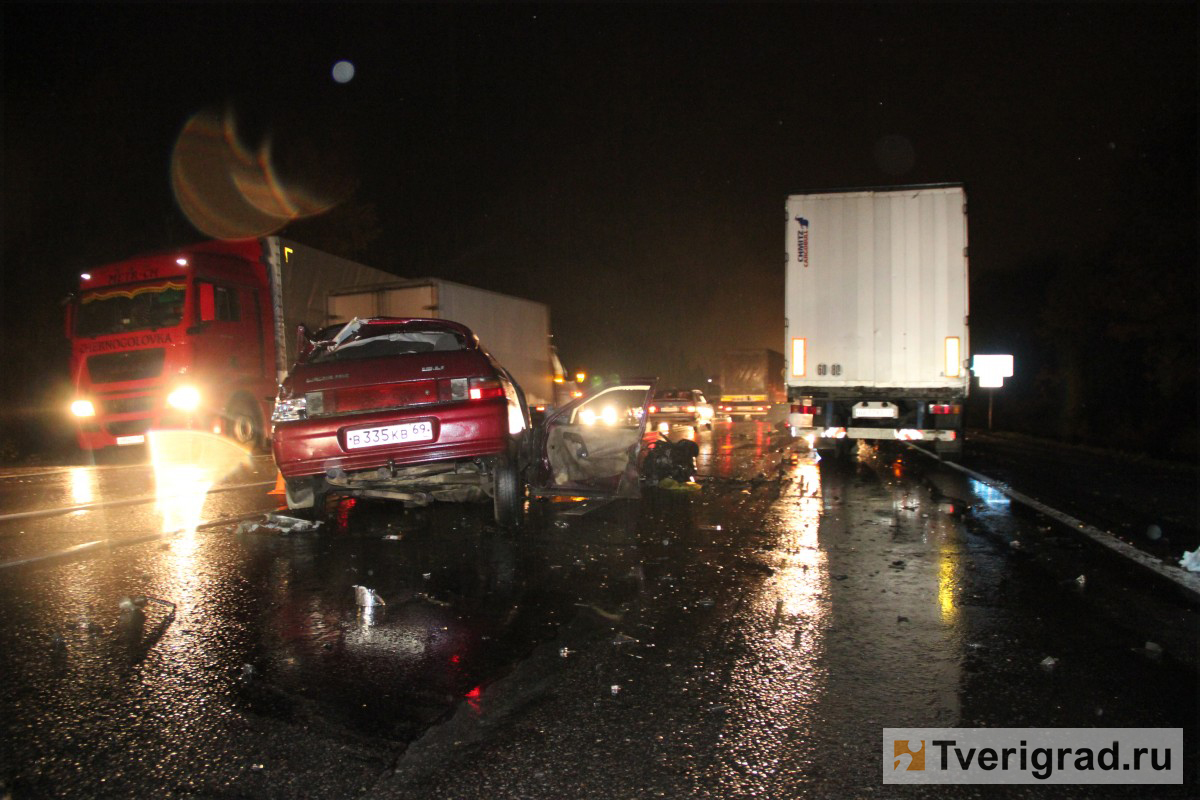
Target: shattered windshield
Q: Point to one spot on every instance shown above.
(133, 308)
(376, 341)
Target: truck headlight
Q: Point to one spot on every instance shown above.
(289, 409)
(185, 398)
(83, 408)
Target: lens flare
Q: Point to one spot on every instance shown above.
(186, 464)
(229, 191)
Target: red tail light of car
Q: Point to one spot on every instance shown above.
(485, 388)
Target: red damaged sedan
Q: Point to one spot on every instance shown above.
(413, 410)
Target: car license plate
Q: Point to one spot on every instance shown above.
(124, 440)
(390, 434)
(670, 409)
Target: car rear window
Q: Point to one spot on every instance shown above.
(371, 343)
(673, 395)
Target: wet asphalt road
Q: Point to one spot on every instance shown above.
(750, 638)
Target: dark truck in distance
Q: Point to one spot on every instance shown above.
(751, 382)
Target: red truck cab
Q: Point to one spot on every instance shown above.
(176, 340)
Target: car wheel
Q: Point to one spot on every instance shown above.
(508, 494)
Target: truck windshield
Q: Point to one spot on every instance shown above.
(377, 341)
(130, 308)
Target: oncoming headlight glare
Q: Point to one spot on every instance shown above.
(83, 408)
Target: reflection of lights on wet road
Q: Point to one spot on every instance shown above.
(83, 485)
(802, 579)
(186, 464)
(778, 681)
(944, 535)
(995, 499)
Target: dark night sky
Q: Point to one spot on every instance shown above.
(625, 164)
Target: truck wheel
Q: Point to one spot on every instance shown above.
(242, 424)
(508, 494)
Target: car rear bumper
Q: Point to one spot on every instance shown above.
(313, 446)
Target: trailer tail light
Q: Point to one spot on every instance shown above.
(485, 389)
(799, 357)
(954, 362)
(945, 409)
(804, 409)
(652, 409)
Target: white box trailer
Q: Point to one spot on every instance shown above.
(514, 330)
(876, 314)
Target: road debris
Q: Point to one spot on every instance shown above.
(1049, 663)
(608, 615)
(1153, 650)
(282, 524)
(1191, 561)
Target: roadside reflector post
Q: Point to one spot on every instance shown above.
(990, 371)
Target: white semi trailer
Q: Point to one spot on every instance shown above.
(876, 314)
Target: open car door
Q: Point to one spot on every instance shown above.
(590, 447)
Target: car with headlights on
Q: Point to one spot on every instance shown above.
(681, 407)
(404, 409)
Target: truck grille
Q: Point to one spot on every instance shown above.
(129, 405)
(128, 427)
(133, 365)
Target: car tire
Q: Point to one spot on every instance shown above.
(508, 495)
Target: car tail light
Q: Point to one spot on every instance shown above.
(485, 388)
(652, 409)
(691, 409)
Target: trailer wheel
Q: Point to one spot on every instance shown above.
(508, 496)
